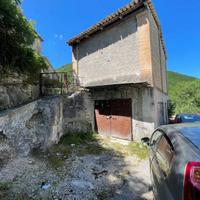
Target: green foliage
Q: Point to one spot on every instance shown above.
(77, 138)
(138, 149)
(4, 189)
(171, 108)
(184, 93)
(4, 186)
(17, 36)
(65, 68)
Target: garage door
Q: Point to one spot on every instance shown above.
(113, 118)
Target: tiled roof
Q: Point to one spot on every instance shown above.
(119, 14)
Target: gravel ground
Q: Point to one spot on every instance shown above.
(99, 170)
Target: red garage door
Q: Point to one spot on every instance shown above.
(113, 118)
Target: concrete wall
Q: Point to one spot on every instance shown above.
(143, 110)
(109, 57)
(129, 51)
(161, 108)
(144, 47)
(158, 57)
(78, 112)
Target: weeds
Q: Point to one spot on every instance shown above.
(92, 149)
(132, 148)
(78, 138)
(86, 144)
(140, 150)
(4, 189)
(56, 155)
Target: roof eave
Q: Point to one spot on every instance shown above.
(106, 22)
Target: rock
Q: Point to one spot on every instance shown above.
(6, 153)
(30, 162)
(82, 184)
(36, 125)
(45, 186)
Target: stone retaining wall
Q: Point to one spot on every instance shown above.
(14, 91)
(36, 125)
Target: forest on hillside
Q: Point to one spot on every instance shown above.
(184, 93)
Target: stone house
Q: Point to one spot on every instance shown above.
(121, 63)
(37, 44)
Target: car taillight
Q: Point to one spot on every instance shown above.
(192, 181)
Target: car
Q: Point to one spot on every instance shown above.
(174, 156)
(187, 118)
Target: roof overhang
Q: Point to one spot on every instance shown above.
(130, 8)
(109, 20)
(137, 84)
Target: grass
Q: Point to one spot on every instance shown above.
(138, 150)
(132, 148)
(103, 195)
(78, 138)
(4, 189)
(86, 144)
(4, 186)
(2, 137)
(56, 155)
(91, 149)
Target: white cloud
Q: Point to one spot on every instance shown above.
(58, 36)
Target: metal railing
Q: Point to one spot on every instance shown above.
(56, 83)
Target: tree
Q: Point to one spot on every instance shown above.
(171, 108)
(186, 97)
(17, 36)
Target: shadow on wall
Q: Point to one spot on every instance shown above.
(102, 39)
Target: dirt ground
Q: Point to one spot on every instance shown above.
(79, 168)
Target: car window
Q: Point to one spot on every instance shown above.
(155, 139)
(190, 118)
(178, 119)
(164, 155)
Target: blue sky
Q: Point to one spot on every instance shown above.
(59, 20)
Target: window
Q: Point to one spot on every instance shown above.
(155, 139)
(178, 119)
(164, 155)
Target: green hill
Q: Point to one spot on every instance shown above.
(68, 69)
(184, 91)
(65, 68)
(175, 78)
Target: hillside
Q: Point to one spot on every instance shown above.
(68, 69)
(65, 68)
(175, 78)
(184, 91)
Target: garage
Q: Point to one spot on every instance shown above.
(114, 118)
